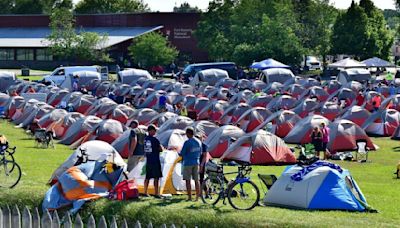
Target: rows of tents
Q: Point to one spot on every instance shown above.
(242, 120)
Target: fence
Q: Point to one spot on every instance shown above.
(12, 218)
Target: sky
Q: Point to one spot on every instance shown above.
(168, 5)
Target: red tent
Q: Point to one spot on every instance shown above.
(260, 148)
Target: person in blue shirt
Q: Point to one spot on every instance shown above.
(190, 154)
(152, 150)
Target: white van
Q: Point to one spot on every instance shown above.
(312, 63)
(58, 76)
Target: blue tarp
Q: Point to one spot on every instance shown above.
(268, 64)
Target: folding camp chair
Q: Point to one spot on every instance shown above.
(268, 180)
(43, 138)
(362, 151)
(308, 150)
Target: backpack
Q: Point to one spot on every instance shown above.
(125, 190)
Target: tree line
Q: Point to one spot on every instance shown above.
(249, 30)
(82, 7)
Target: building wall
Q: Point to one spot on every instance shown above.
(177, 27)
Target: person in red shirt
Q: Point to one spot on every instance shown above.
(360, 99)
(376, 102)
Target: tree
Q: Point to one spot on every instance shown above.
(186, 8)
(380, 39)
(315, 18)
(6, 6)
(249, 30)
(362, 31)
(152, 49)
(213, 29)
(32, 6)
(66, 44)
(110, 6)
(392, 18)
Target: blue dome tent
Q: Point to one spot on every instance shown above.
(268, 64)
(320, 186)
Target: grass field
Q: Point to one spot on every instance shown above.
(375, 178)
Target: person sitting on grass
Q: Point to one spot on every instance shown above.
(152, 149)
(190, 154)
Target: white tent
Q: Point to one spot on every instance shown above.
(172, 181)
(347, 63)
(130, 76)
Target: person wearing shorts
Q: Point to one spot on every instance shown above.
(152, 149)
(190, 153)
(325, 139)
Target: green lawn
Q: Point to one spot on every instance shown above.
(376, 179)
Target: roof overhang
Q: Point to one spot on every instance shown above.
(36, 37)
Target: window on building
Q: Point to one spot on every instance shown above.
(25, 54)
(43, 55)
(6, 54)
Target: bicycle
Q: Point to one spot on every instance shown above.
(241, 192)
(10, 171)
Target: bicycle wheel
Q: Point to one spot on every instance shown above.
(10, 174)
(243, 196)
(10, 157)
(210, 191)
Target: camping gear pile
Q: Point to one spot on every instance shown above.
(241, 120)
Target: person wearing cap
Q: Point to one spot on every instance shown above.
(152, 149)
(190, 154)
(136, 145)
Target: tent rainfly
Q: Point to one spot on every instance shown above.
(347, 63)
(377, 62)
(268, 64)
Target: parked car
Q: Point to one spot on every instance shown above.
(311, 63)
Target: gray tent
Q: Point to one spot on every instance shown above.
(280, 75)
(348, 75)
(210, 76)
(85, 77)
(130, 76)
(377, 62)
(6, 79)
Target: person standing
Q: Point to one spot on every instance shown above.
(162, 102)
(203, 158)
(360, 99)
(316, 140)
(376, 102)
(136, 145)
(152, 149)
(75, 87)
(190, 154)
(325, 139)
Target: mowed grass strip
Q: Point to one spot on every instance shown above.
(375, 178)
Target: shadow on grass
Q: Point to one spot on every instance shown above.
(166, 202)
(396, 149)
